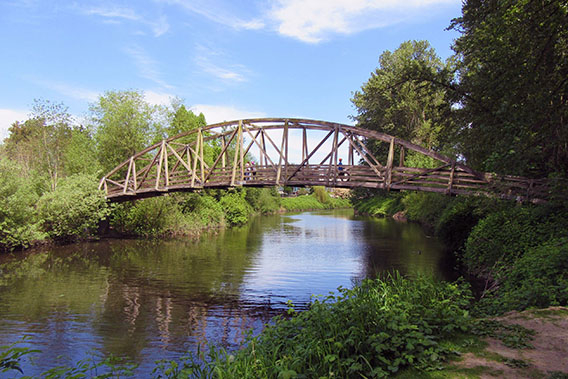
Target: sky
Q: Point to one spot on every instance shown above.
(229, 59)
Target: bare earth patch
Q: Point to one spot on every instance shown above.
(549, 355)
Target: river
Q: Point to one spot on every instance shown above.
(150, 300)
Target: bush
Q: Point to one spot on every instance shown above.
(202, 209)
(373, 330)
(235, 207)
(321, 194)
(380, 204)
(501, 238)
(263, 200)
(425, 208)
(18, 225)
(74, 209)
(157, 216)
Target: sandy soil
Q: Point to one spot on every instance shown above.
(549, 355)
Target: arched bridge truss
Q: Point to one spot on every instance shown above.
(219, 156)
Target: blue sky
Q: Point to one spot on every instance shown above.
(227, 59)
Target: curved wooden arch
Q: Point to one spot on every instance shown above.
(217, 156)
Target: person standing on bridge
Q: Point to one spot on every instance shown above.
(340, 167)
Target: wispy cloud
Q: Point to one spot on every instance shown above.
(313, 21)
(219, 113)
(147, 67)
(113, 14)
(211, 61)
(218, 12)
(66, 89)
(7, 118)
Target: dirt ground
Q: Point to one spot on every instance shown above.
(547, 359)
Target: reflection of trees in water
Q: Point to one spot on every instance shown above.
(404, 247)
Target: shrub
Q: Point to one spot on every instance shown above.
(74, 209)
(18, 225)
(235, 207)
(263, 200)
(373, 330)
(379, 204)
(321, 194)
(461, 215)
(425, 208)
(152, 217)
(202, 209)
(499, 239)
(538, 279)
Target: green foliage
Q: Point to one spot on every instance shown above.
(512, 335)
(203, 209)
(154, 217)
(539, 278)
(263, 200)
(80, 156)
(498, 240)
(124, 125)
(39, 143)
(461, 214)
(10, 356)
(404, 97)
(321, 194)
(74, 209)
(372, 330)
(512, 59)
(235, 206)
(424, 207)
(381, 204)
(310, 202)
(17, 215)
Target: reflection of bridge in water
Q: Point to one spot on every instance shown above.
(216, 156)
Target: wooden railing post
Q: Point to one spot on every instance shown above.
(390, 160)
(451, 180)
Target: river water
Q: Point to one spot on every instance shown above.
(152, 300)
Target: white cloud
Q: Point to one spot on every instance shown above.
(158, 98)
(147, 66)
(315, 20)
(219, 113)
(69, 90)
(7, 118)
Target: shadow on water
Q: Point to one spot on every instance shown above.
(157, 299)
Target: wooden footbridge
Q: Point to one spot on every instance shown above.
(220, 156)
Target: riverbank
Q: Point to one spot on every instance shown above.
(78, 211)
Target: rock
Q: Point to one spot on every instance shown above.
(400, 216)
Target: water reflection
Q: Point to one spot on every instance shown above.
(157, 299)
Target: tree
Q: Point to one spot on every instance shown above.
(124, 125)
(406, 97)
(39, 142)
(513, 85)
(80, 156)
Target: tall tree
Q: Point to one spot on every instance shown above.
(403, 97)
(124, 124)
(39, 142)
(513, 85)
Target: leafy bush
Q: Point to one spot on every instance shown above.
(202, 209)
(235, 207)
(501, 238)
(461, 214)
(263, 200)
(380, 204)
(321, 194)
(17, 214)
(74, 209)
(152, 217)
(425, 208)
(537, 279)
(372, 330)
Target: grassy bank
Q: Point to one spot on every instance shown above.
(319, 199)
